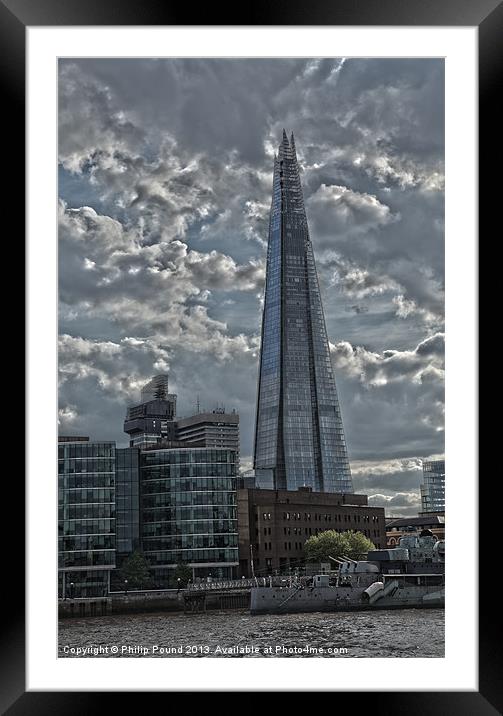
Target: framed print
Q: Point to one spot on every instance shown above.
(237, 298)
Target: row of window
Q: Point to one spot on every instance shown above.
(183, 514)
(88, 542)
(206, 484)
(87, 559)
(189, 556)
(205, 541)
(179, 457)
(156, 529)
(86, 527)
(81, 512)
(326, 517)
(166, 472)
(83, 450)
(85, 465)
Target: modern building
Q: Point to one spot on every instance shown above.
(215, 429)
(275, 524)
(153, 419)
(153, 422)
(86, 517)
(188, 512)
(400, 526)
(299, 435)
(433, 487)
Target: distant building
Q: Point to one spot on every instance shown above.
(86, 517)
(433, 487)
(274, 525)
(153, 422)
(400, 526)
(153, 419)
(188, 512)
(215, 429)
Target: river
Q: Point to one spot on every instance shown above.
(401, 633)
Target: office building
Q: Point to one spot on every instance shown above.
(215, 429)
(86, 517)
(188, 512)
(299, 435)
(433, 487)
(153, 419)
(275, 524)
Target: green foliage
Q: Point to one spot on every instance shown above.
(136, 570)
(330, 543)
(183, 573)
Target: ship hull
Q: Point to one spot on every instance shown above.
(276, 600)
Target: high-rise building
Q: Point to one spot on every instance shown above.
(215, 429)
(299, 436)
(152, 420)
(86, 518)
(433, 487)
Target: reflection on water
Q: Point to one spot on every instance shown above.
(237, 634)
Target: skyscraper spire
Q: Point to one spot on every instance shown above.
(299, 436)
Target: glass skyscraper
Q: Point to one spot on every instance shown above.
(299, 436)
(433, 487)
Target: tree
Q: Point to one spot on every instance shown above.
(183, 573)
(358, 544)
(135, 569)
(331, 543)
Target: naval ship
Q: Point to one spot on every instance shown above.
(409, 575)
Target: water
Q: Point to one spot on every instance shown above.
(395, 633)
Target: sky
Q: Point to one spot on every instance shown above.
(165, 180)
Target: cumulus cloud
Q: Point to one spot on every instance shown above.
(165, 181)
(338, 211)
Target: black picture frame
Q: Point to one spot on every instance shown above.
(15, 17)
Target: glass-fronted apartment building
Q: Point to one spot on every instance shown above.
(433, 487)
(188, 512)
(299, 435)
(86, 517)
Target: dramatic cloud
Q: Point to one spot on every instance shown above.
(165, 186)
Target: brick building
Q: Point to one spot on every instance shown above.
(274, 524)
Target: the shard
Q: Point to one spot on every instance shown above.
(299, 436)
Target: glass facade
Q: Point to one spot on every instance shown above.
(188, 511)
(127, 501)
(299, 433)
(86, 517)
(433, 487)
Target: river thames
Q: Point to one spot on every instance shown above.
(406, 633)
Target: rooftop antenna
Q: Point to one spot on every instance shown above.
(198, 406)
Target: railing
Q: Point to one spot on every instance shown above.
(241, 584)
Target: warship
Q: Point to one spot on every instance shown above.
(410, 575)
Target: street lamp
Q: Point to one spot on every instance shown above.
(178, 583)
(125, 586)
(71, 590)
